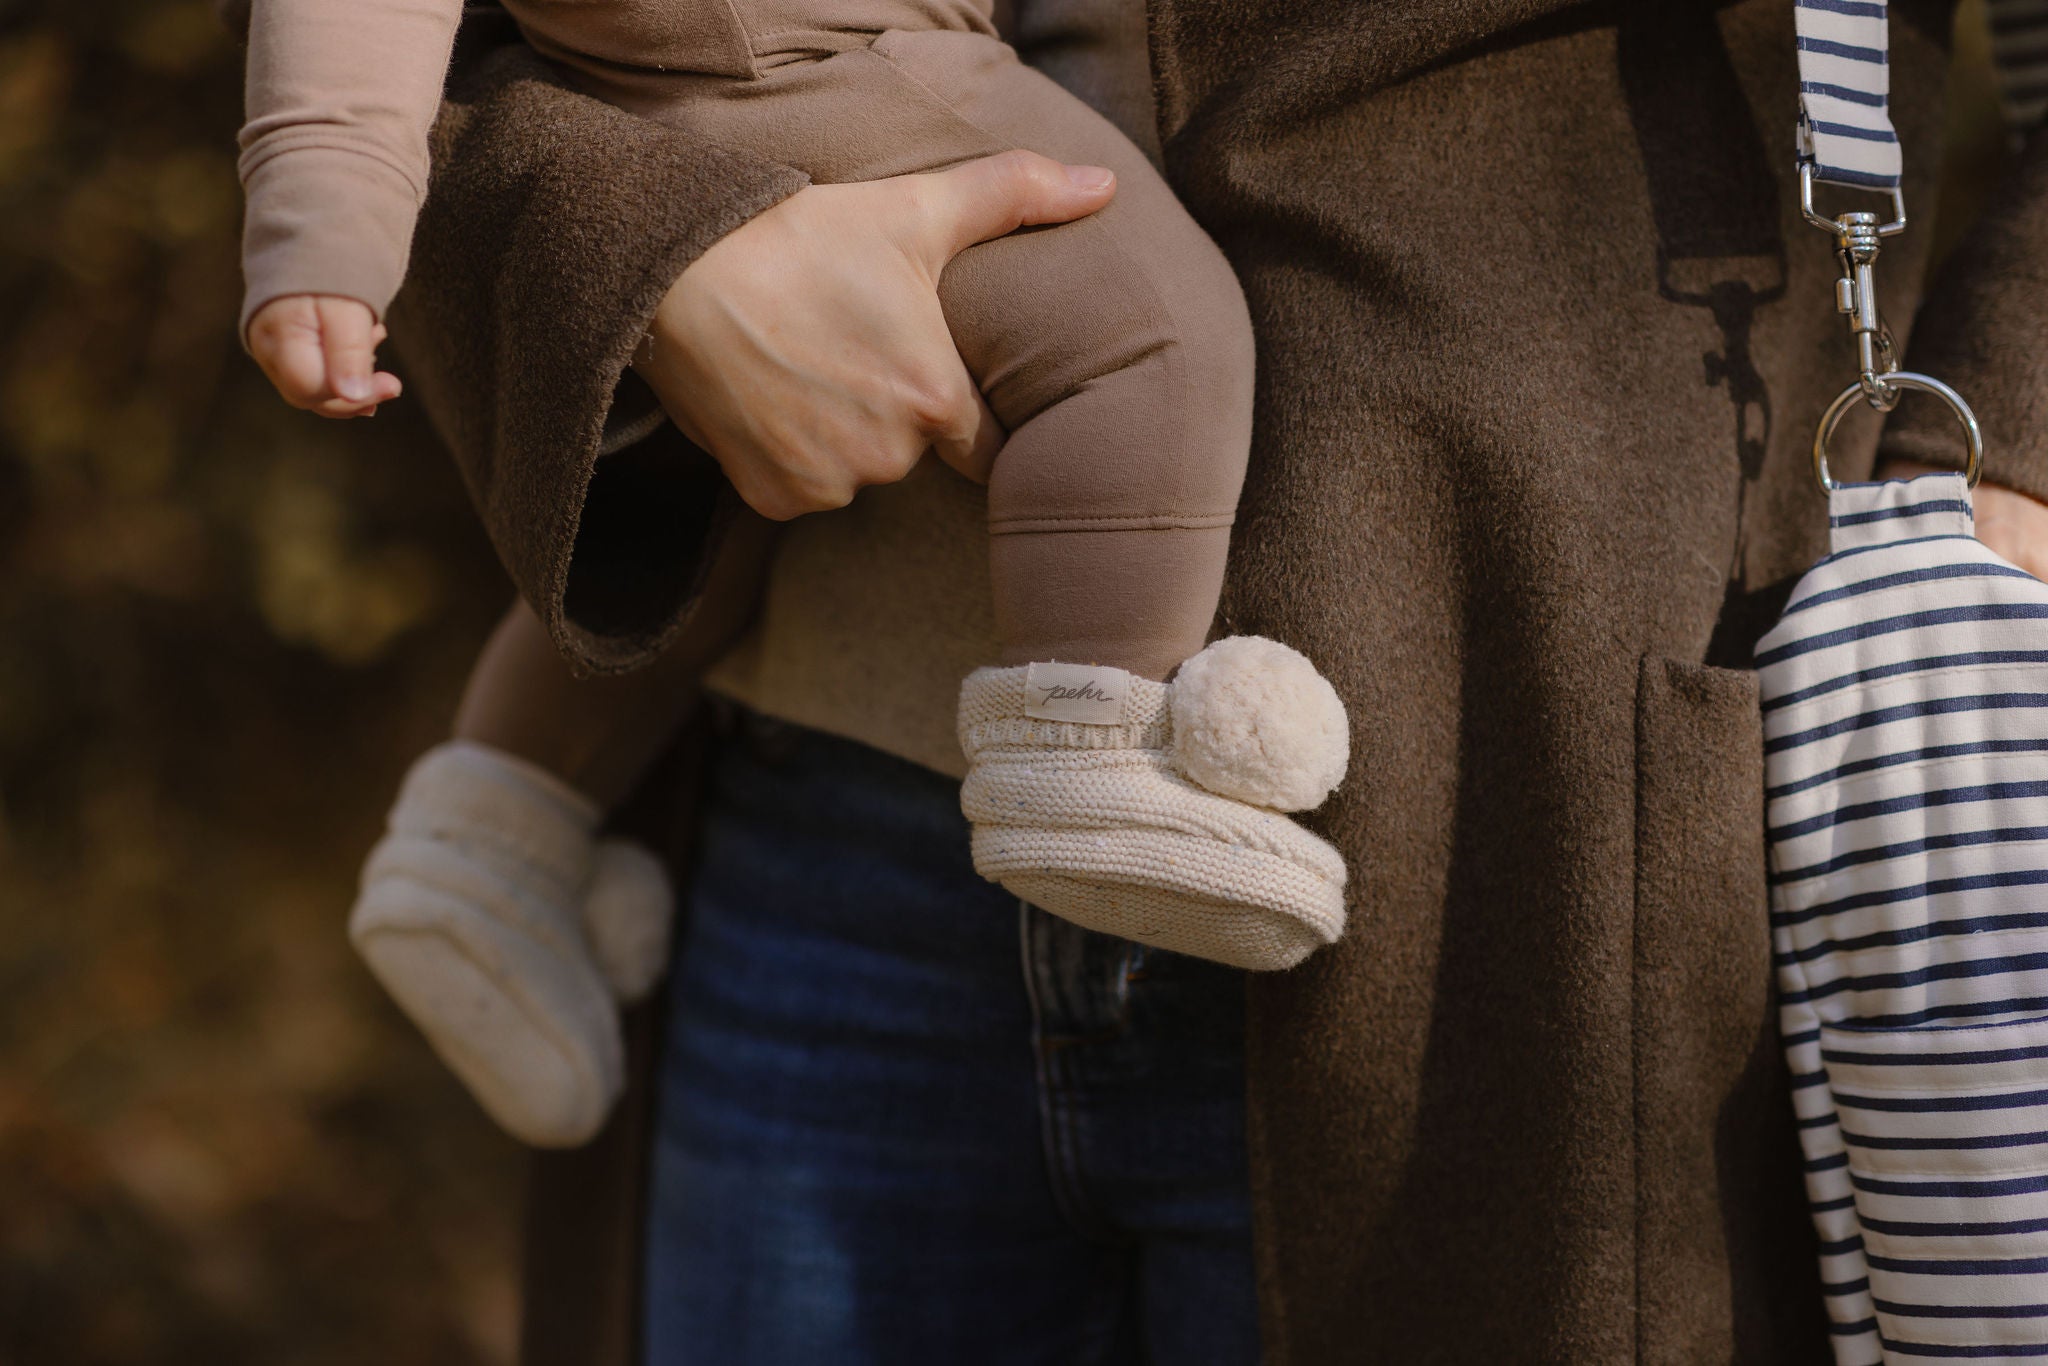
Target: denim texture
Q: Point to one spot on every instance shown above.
(904, 1118)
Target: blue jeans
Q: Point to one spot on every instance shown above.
(905, 1119)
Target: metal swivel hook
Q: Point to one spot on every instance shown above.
(1880, 382)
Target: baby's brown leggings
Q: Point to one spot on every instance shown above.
(1116, 350)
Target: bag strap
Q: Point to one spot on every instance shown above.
(2019, 50)
(1845, 137)
(1845, 124)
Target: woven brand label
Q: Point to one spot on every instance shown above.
(1087, 693)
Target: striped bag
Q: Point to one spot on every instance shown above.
(2019, 51)
(1905, 696)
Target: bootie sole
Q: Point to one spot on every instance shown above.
(531, 1032)
(1118, 842)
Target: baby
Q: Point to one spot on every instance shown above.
(1115, 351)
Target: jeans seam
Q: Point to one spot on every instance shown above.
(1056, 1119)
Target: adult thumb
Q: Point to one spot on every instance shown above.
(977, 200)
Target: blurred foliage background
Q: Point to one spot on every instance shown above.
(224, 630)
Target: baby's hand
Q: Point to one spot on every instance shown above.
(321, 353)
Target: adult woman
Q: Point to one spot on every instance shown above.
(1531, 1108)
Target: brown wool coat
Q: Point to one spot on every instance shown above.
(1541, 339)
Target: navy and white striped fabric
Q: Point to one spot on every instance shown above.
(2019, 49)
(1845, 126)
(1905, 696)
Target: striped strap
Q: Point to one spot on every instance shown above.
(2019, 48)
(1845, 127)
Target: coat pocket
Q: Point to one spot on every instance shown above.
(1724, 1250)
(1945, 1130)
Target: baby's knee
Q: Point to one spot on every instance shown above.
(1208, 332)
(1193, 375)
(1143, 300)
(1130, 399)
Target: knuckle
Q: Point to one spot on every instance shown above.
(820, 500)
(887, 464)
(934, 398)
(813, 495)
(1017, 165)
(773, 501)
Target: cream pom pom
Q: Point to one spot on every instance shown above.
(626, 917)
(1252, 719)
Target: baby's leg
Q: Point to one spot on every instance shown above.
(1110, 510)
(1117, 352)
(490, 911)
(595, 734)
(599, 734)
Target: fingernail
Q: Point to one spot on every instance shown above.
(1089, 177)
(354, 388)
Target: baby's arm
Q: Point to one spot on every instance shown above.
(340, 96)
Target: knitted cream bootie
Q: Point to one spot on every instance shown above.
(509, 936)
(1151, 811)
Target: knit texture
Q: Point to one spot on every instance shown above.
(628, 916)
(469, 915)
(1095, 824)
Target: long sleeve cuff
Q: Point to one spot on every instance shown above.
(1984, 330)
(325, 220)
(553, 226)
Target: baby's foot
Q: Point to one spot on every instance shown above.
(627, 918)
(509, 935)
(1152, 811)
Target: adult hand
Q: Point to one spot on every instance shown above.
(806, 350)
(2012, 524)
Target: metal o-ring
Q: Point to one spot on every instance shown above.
(1973, 435)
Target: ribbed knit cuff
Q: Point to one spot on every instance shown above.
(481, 797)
(992, 716)
(325, 220)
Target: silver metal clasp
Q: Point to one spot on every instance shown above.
(1859, 236)
(1826, 224)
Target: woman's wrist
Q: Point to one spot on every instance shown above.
(2013, 524)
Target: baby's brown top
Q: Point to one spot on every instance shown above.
(341, 94)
